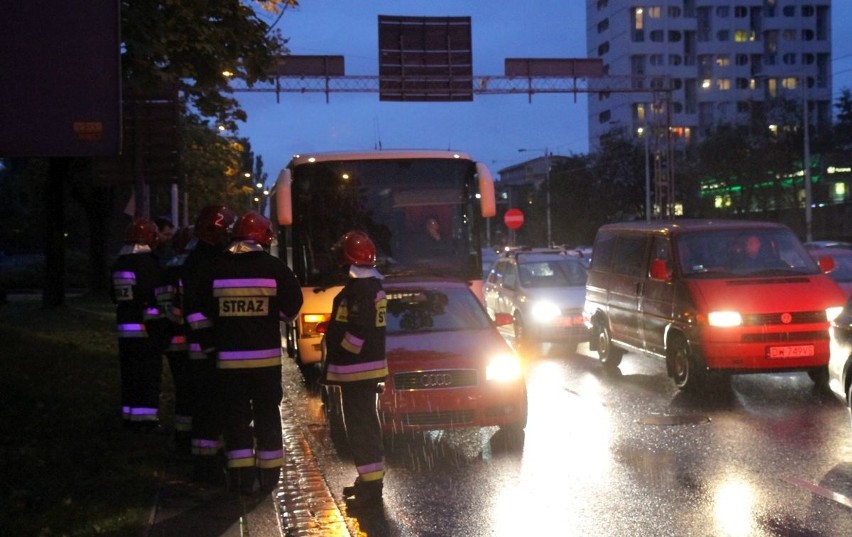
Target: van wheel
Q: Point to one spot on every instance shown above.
(682, 366)
(609, 355)
(819, 376)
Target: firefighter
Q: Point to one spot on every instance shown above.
(355, 361)
(251, 292)
(140, 325)
(212, 231)
(170, 300)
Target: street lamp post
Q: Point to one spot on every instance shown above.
(546, 190)
(806, 165)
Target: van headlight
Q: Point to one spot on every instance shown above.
(833, 313)
(503, 368)
(544, 311)
(725, 319)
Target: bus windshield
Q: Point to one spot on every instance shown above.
(422, 214)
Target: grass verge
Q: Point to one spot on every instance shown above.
(67, 466)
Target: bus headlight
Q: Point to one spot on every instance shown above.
(725, 319)
(503, 368)
(544, 311)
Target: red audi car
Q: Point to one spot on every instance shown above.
(448, 365)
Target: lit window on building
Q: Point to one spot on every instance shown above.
(723, 60)
(723, 84)
(789, 83)
(655, 12)
(744, 36)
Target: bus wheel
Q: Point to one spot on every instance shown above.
(609, 355)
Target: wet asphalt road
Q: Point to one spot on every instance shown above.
(620, 454)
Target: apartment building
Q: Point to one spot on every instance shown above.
(695, 64)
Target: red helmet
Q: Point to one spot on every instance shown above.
(214, 224)
(357, 249)
(254, 227)
(142, 231)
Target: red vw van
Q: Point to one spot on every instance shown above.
(710, 296)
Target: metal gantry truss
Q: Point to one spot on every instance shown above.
(658, 87)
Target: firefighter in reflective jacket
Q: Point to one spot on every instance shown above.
(140, 325)
(212, 231)
(170, 302)
(355, 361)
(250, 293)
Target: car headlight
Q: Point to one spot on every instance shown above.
(725, 319)
(833, 313)
(544, 310)
(503, 368)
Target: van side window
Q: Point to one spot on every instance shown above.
(661, 249)
(602, 251)
(629, 255)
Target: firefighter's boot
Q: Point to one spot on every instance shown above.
(208, 469)
(367, 495)
(352, 489)
(269, 479)
(241, 480)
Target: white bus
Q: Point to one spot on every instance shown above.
(390, 195)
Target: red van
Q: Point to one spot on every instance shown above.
(710, 296)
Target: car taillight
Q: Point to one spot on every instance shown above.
(310, 322)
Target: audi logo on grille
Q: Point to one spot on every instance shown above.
(436, 380)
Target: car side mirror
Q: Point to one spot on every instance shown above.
(503, 319)
(660, 270)
(826, 263)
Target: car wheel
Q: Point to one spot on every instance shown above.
(849, 394)
(819, 376)
(681, 364)
(522, 337)
(609, 355)
(333, 409)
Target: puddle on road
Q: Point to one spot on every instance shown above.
(673, 419)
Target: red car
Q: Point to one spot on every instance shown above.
(448, 365)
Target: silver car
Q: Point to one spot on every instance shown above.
(840, 363)
(543, 290)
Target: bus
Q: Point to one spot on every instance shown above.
(390, 195)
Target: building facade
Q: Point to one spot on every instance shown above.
(716, 61)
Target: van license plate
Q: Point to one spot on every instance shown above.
(790, 351)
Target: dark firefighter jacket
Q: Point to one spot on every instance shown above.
(355, 339)
(135, 276)
(250, 293)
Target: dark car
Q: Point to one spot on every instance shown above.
(840, 362)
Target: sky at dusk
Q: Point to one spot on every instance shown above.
(492, 128)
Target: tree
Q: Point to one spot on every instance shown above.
(618, 171)
(198, 47)
(842, 130)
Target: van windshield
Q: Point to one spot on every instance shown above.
(742, 252)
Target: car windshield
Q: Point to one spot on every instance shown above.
(434, 310)
(552, 273)
(743, 252)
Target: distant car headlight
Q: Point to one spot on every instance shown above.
(544, 310)
(833, 313)
(503, 368)
(725, 319)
